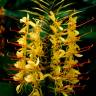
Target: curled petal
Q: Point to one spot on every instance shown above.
(76, 32)
(19, 54)
(22, 40)
(18, 76)
(36, 93)
(19, 88)
(23, 20)
(78, 55)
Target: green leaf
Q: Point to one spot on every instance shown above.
(6, 89)
(3, 2)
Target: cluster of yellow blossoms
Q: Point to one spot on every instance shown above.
(63, 52)
(64, 71)
(29, 55)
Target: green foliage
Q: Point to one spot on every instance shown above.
(90, 1)
(6, 89)
(2, 2)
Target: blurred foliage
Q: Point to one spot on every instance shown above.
(10, 21)
(6, 89)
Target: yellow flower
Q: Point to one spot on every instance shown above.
(23, 20)
(34, 36)
(18, 76)
(59, 83)
(27, 21)
(35, 93)
(37, 51)
(74, 80)
(65, 94)
(22, 41)
(19, 54)
(62, 39)
(53, 39)
(30, 78)
(53, 28)
(20, 64)
(73, 50)
(23, 30)
(72, 73)
(52, 16)
(57, 70)
(78, 55)
(41, 76)
(76, 33)
(19, 88)
(31, 64)
(72, 23)
(34, 77)
(58, 54)
(70, 63)
(56, 23)
(32, 24)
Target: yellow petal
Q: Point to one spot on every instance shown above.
(23, 30)
(62, 39)
(32, 24)
(52, 16)
(41, 75)
(74, 80)
(29, 66)
(61, 28)
(19, 88)
(78, 55)
(18, 76)
(36, 93)
(37, 61)
(20, 64)
(22, 41)
(57, 70)
(23, 20)
(76, 32)
(65, 94)
(19, 54)
(30, 78)
(53, 28)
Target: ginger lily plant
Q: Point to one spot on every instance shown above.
(63, 49)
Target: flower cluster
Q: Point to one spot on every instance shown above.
(64, 47)
(29, 55)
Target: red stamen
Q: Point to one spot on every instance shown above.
(16, 44)
(86, 22)
(82, 64)
(11, 74)
(8, 79)
(12, 69)
(14, 30)
(86, 48)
